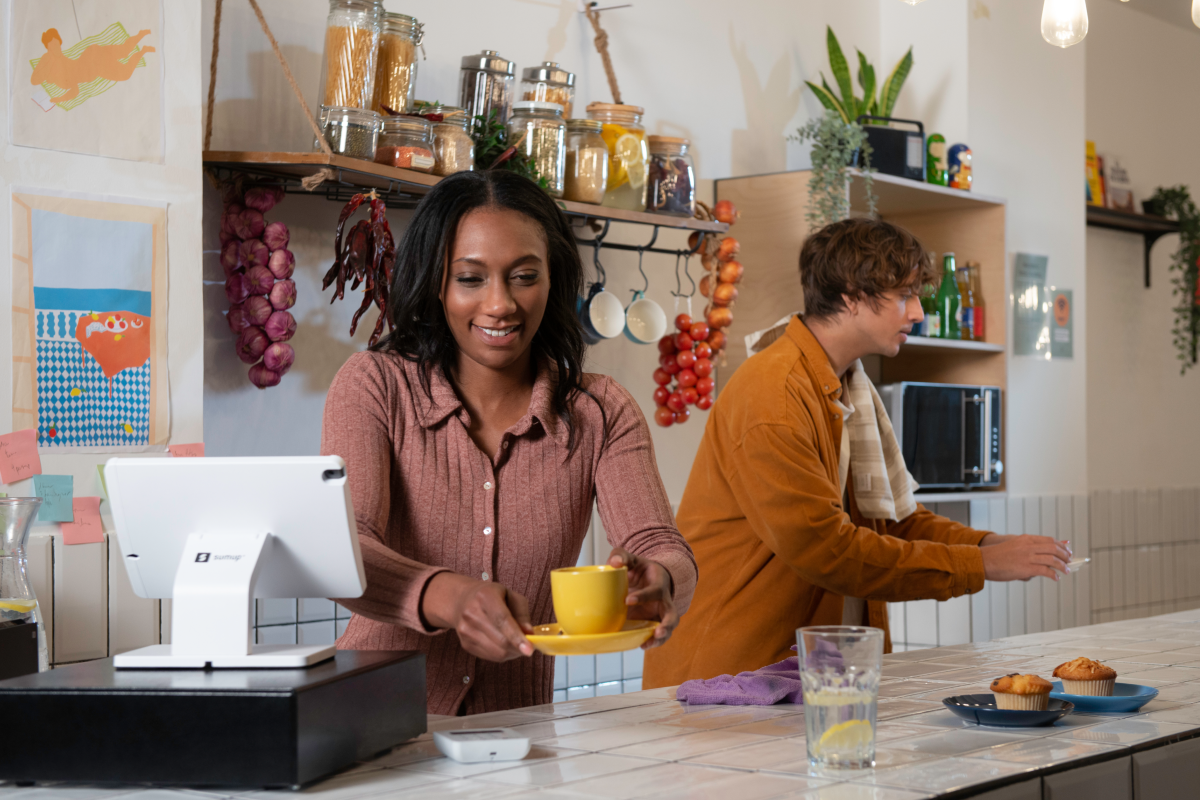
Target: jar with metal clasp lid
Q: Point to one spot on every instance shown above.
(396, 69)
(351, 48)
(406, 142)
(453, 147)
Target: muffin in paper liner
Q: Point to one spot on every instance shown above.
(1102, 688)
(1021, 702)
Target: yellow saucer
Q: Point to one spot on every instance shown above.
(553, 642)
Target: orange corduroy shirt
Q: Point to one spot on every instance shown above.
(775, 547)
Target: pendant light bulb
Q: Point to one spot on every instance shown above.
(1196, 12)
(914, 2)
(1065, 22)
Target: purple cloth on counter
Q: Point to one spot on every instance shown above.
(775, 683)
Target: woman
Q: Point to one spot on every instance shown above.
(475, 445)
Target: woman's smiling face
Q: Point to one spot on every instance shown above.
(496, 286)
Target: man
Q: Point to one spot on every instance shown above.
(770, 508)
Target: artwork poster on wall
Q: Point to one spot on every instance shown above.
(86, 76)
(90, 322)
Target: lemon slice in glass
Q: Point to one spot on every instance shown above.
(845, 737)
(629, 150)
(20, 605)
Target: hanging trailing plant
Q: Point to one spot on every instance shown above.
(1176, 203)
(836, 145)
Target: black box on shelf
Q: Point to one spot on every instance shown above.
(895, 151)
(255, 728)
(18, 649)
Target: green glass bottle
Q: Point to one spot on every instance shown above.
(948, 301)
(937, 162)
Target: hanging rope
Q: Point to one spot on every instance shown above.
(212, 76)
(601, 41)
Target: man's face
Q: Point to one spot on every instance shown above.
(886, 322)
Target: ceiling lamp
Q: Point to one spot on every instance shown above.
(914, 2)
(1065, 22)
(1196, 12)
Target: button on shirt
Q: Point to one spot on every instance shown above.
(415, 476)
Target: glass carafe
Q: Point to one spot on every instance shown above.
(18, 603)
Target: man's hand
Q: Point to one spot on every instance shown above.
(1019, 558)
(491, 621)
(650, 593)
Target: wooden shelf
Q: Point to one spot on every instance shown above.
(400, 187)
(897, 195)
(1151, 228)
(967, 496)
(952, 344)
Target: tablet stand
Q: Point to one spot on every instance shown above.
(213, 610)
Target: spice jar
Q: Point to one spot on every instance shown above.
(406, 142)
(396, 70)
(351, 48)
(549, 83)
(350, 131)
(543, 138)
(623, 134)
(586, 175)
(486, 84)
(453, 147)
(670, 178)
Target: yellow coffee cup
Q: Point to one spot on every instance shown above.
(590, 599)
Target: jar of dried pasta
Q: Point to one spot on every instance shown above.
(486, 84)
(351, 47)
(586, 176)
(453, 147)
(406, 142)
(396, 70)
(549, 83)
(542, 133)
(623, 134)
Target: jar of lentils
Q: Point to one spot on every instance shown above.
(542, 133)
(586, 175)
(350, 132)
(406, 142)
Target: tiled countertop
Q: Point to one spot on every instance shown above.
(647, 744)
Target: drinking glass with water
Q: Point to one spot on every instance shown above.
(839, 673)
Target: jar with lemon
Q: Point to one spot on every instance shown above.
(623, 134)
(18, 603)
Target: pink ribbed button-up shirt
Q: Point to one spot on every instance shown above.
(427, 500)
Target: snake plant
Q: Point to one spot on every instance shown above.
(850, 106)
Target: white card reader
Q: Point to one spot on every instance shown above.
(482, 744)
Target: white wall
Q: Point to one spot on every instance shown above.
(1026, 106)
(1141, 411)
(178, 182)
(730, 77)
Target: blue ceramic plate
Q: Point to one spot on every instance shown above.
(1125, 697)
(981, 709)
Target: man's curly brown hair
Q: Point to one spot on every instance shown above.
(862, 259)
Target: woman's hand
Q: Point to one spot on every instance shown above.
(650, 593)
(491, 621)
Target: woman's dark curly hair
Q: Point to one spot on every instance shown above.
(420, 332)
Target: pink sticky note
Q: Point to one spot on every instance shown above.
(19, 456)
(87, 527)
(195, 450)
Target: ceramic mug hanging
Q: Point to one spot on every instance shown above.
(645, 321)
(600, 314)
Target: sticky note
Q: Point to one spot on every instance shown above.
(195, 450)
(56, 492)
(87, 527)
(103, 483)
(19, 456)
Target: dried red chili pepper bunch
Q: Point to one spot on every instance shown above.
(365, 256)
(258, 271)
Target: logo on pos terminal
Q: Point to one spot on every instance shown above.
(202, 557)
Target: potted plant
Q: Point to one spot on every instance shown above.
(1176, 203)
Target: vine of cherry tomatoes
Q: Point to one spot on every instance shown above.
(686, 359)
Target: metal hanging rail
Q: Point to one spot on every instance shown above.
(597, 241)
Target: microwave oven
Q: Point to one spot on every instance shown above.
(949, 433)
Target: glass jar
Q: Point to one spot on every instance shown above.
(549, 83)
(453, 147)
(586, 174)
(670, 178)
(350, 132)
(542, 133)
(621, 128)
(486, 84)
(406, 142)
(351, 48)
(396, 70)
